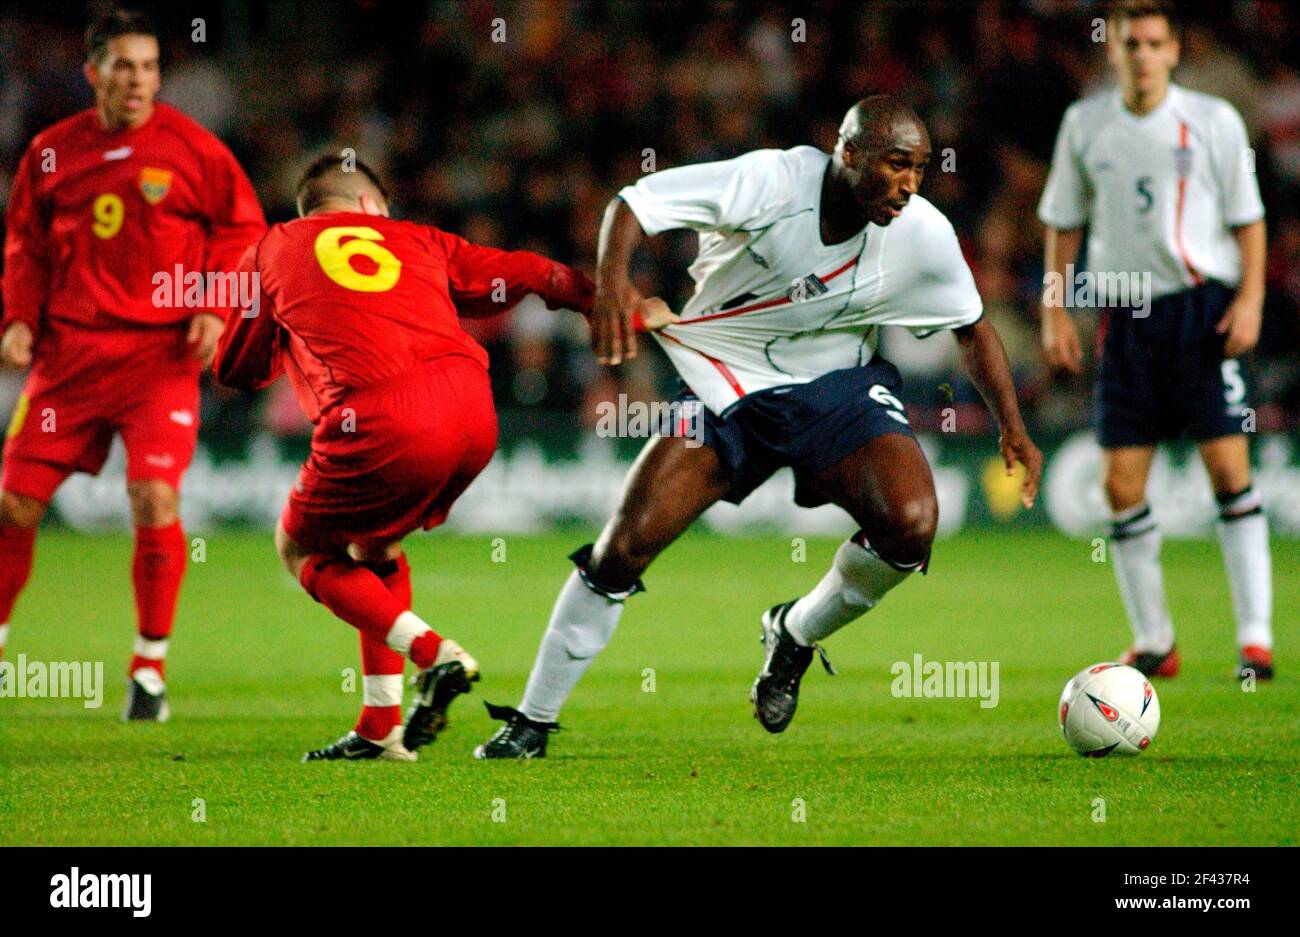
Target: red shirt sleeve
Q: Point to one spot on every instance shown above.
(26, 254)
(249, 351)
(235, 218)
(484, 281)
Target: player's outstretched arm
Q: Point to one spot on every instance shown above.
(986, 362)
(485, 281)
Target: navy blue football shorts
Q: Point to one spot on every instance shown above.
(1164, 377)
(808, 427)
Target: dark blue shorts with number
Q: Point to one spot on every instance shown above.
(808, 427)
(1163, 376)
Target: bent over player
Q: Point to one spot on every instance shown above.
(103, 204)
(361, 312)
(1163, 179)
(802, 254)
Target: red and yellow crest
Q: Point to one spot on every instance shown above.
(154, 184)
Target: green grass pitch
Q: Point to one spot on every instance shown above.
(255, 679)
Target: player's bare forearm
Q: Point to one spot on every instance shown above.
(620, 233)
(1061, 248)
(612, 335)
(1060, 339)
(1253, 241)
(1240, 325)
(986, 362)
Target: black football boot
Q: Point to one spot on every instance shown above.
(520, 737)
(776, 691)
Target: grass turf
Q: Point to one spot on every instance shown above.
(256, 676)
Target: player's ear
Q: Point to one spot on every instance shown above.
(849, 155)
(91, 71)
(371, 205)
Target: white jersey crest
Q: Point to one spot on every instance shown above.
(773, 305)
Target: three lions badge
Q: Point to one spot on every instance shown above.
(154, 184)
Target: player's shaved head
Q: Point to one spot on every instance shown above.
(880, 157)
(870, 124)
(338, 183)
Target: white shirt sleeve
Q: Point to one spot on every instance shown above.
(1066, 196)
(725, 196)
(1235, 168)
(939, 292)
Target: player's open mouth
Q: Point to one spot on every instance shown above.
(895, 210)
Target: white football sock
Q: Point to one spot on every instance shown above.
(582, 623)
(405, 629)
(1243, 536)
(381, 689)
(1135, 548)
(857, 580)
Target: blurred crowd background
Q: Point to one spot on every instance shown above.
(519, 144)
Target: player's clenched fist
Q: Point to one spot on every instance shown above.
(16, 346)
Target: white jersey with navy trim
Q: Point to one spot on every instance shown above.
(774, 306)
(1160, 193)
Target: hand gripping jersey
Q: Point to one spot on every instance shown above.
(773, 305)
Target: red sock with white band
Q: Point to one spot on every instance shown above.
(157, 569)
(354, 593)
(381, 666)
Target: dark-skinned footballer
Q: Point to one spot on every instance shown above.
(802, 256)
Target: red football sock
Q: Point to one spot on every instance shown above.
(381, 707)
(156, 570)
(17, 546)
(397, 579)
(381, 664)
(352, 592)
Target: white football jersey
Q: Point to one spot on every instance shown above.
(773, 305)
(1160, 192)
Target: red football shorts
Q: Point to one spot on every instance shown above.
(392, 459)
(87, 385)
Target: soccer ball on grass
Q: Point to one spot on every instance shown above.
(1109, 709)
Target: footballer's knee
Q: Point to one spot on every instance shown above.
(20, 510)
(153, 503)
(1228, 475)
(371, 553)
(1123, 489)
(907, 531)
(291, 555)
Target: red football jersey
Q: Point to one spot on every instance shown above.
(93, 216)
(349, 300)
